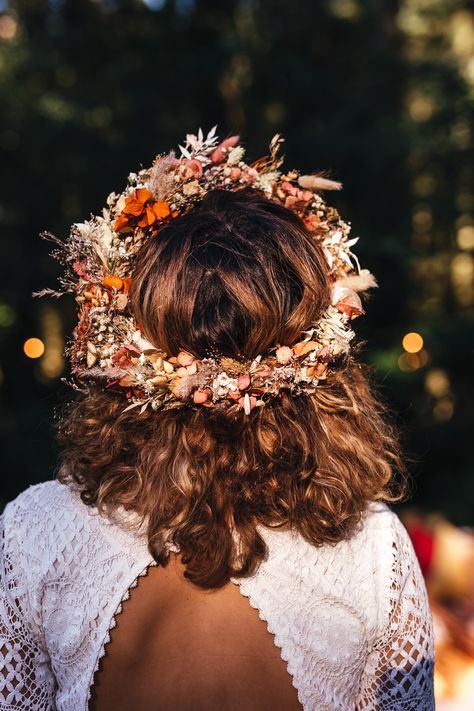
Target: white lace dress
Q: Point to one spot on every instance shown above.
(352, 620)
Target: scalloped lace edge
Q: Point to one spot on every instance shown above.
(113, 623)
(276, 639)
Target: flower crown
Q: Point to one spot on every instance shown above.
(99, 255)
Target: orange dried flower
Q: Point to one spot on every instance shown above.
(304, 347)
(114, 282)
(121, 222)
(134, 204)
(140, 211)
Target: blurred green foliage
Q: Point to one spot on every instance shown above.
(380, 92)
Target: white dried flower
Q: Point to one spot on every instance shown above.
(235, 155)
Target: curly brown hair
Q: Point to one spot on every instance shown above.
(236, 275)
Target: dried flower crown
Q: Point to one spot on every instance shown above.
(99, 255)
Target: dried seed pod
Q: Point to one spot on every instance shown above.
(159, 380)
(91, 359)
(247, 402)
(318, 182)
(191, 369)
(157, 362)
(168, 367)
(121, 302)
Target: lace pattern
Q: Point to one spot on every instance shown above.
(25, 676)
(352, 621)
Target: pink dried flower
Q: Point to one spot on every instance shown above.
(243, 381)
(184, 358)
(288, 188)
(263, 373)
(195, 166)
(133, 349)
(249, 176)
(80, 269)
(121, 358)
(312, 221)
(201, 396)
(347, 301)
(219, 154)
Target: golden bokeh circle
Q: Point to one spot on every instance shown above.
(33, 348)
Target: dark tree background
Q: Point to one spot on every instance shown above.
(380, 92)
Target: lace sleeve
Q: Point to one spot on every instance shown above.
(26, 681)
(399, 672)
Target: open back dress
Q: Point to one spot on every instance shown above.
(89, 622)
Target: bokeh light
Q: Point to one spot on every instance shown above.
(412, 342)
(7, 316)
(8, 27)
(465, 237)
(462, 278)
(409, 362)
(33, 348)
(52, 364)
(437, 382)
(444, 409)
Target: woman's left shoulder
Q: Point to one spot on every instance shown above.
(381, 529)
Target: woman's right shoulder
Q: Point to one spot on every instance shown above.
(47, 519)
(43, 519)
(43, 496)
(41, 505)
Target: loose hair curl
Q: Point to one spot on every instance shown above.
(236, 275)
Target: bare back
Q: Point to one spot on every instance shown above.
(176, 647)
